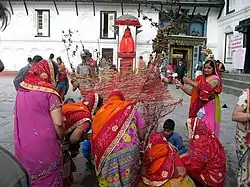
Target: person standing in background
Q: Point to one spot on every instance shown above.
(141, 65)
(198, 69)
(55, 66)
(150, 59)
(181, 71)
(221, 66)
(63, 83)
(21, 74)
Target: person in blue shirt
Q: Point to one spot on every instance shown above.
(86, 151)
(174, 138)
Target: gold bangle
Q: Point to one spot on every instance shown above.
(248, 116)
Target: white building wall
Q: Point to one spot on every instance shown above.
(212, 32)
(226, 24)
(18, 41)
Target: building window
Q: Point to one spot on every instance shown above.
(196, 29)
(228, 47)
(42, 23)
(230, 6)
(107, 54)
(107, 23)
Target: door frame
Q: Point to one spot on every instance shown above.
(189, 50)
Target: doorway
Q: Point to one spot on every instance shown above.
(107, 55)
(179, 55)
(184, 54)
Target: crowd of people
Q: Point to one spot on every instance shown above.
(48, 133)
(117, 131)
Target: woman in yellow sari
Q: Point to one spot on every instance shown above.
(162, 165)
(116, 132)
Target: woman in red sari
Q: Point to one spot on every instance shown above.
(205, 100)
(63, 84)
(162, 165)
(78, 119)
(116, 132)
(205, 159)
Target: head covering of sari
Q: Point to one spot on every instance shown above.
(91, 100)
(41, 77)
(206, 161)
(109, 125)
(160, 161)
(205, 92)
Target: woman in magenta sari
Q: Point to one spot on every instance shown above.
(205, 100)
(38, 126)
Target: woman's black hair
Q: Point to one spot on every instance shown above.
(212, 64)
(37, 58)
(51, 56)
(59, 58)
(29, 60)
(4, 17)
(100, 101)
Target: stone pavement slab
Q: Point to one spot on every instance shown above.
(227, 133)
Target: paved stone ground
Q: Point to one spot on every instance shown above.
(83, 178)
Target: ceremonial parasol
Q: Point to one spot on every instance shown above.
(128, 20)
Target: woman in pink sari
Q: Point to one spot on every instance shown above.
(38, 126)
(205, 100)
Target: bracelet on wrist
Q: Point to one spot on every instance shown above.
(248, 116)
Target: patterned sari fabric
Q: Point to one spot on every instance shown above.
(41, 77)
(115, 142)
(206, 158)
(243, 142)
(78, 115)
(163, 165)
(36, 143)
(205, 101)
(63, 84)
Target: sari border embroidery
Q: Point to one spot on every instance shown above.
(39, 88)
(95, 104)
(53, 166)
(77, 124)
(153, 183)
(52, 73)
(116, 140)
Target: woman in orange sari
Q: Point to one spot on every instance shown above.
(162, 165)
(78, 119)
(116, 132)
(205, 100)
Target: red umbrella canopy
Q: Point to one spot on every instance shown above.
(128, 20)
